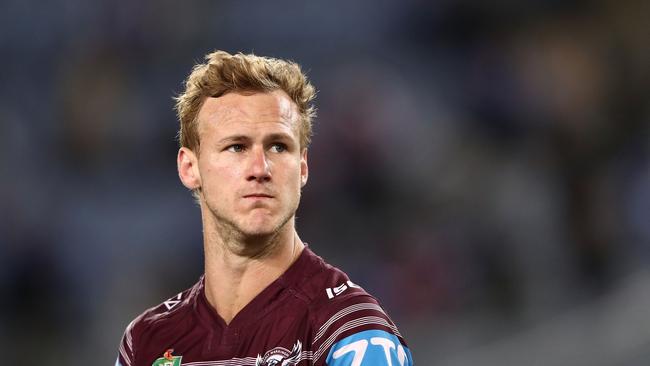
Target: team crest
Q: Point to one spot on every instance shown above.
(168, 360)
(281, 356)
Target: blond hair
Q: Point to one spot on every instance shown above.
(223, 73)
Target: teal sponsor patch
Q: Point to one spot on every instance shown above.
(369, 348)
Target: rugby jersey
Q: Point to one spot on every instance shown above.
(311, 315)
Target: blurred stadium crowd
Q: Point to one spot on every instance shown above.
(482, 167)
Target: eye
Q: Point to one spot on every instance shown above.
(278, 148)
(235, 148)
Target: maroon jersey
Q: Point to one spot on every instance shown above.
(311, 315)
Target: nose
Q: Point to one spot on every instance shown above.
(259, 168)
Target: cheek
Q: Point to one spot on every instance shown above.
(297, 180)
(293, 172)
(219, 177)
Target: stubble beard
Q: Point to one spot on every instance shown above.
(248, 242)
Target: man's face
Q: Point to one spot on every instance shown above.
(250, 168)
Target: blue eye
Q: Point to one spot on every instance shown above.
(278, 148)
(235, 148)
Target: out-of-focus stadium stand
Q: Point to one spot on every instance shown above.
(483, 167)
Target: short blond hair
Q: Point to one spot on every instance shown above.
(223, 73)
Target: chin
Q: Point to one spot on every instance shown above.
(259, 230)
(263, 226)
(257, 224)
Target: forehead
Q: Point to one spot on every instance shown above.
(248, 110)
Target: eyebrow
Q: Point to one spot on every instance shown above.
(235, 138)
(278, 136)
(243, 138)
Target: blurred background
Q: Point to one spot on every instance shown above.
(483, 167)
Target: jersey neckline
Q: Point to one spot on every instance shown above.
(269, 298)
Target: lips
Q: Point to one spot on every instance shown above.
(258, 195)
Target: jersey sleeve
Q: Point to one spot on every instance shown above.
(356, 331)
(126, 353)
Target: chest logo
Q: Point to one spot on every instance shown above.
(280, 356)
(168, 360)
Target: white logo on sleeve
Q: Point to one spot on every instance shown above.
(169, 304)
(335, 291)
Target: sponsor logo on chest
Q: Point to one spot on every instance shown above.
(280, 356)
(168, 360)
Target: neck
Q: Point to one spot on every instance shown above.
(238, 268)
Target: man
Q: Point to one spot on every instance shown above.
(265, 298)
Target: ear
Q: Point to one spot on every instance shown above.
(188, 168)
(304, 168)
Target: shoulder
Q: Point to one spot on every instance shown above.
(349, 322)
(168, 309)
(152, 319)
(321, 282)
(356, 325)
(331, 293)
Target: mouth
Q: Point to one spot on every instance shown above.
(258, 195)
